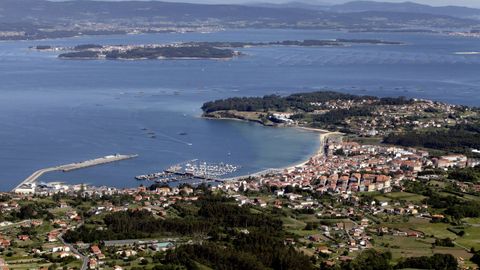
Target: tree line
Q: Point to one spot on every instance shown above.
(375, 260)
(295, 102)
(256, 250)
(212, 216)
(457, 139)
(466, 174)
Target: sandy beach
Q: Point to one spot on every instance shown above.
(321, 137)
(320, 151)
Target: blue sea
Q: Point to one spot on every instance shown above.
(54, 112)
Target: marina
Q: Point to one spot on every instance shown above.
(193, 169)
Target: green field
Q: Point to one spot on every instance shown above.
(440, 230)
(471, 238)
(396, 196)
(403, 246)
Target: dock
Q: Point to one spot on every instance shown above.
(73, 166)
(192, 169)
(191, 175)
(257, 174)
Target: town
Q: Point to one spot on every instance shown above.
(239, 135)
(348, 199)
(348, 167)
(354, 201)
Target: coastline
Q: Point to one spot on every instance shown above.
(146, 59)
(290, 167)
(323, 134)
(236, 119)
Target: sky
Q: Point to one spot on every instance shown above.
(471, 3)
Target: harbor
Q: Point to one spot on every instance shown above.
(27, 185)
(191, 170)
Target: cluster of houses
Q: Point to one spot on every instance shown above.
(125, 249)
(62, 252)
(9, 206)
(473, 33)
(282, 118)
(50, 189)
(388, 118)
(344, 104)
(352, 231)
(4, 242)
(11, 34)
(450, 161)
(420, 114)
(467, 186)
(3, 264)
(349, 167)
(342, 235)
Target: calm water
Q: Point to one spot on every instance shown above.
(54, 112)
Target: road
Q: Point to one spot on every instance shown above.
(462, 246)
(32, 178)
(74, 250)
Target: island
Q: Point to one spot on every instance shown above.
(127, 52)
(300, 43)
(189, 50)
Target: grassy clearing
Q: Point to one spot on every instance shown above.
(292, 224)
(471, 238)
(402, 247)
(396, 196)
(455, 251)
(435, 183)
(366, 140)
(304, 233)
(439, 230)
(471, 197)
(202, 266)
(29, 266)
(472, 221)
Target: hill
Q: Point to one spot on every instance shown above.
(406, 7)
(42, 10)
(40, 19)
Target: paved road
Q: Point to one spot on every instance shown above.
(462, 246)
(32, 178)
(74, 250)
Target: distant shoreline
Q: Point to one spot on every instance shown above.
(144, 59)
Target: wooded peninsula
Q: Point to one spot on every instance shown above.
(399, 120)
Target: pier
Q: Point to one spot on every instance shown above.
(257, 174)
(191, 175)
(189, 170)
(73, 166)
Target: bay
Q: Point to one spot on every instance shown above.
(54, 111)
